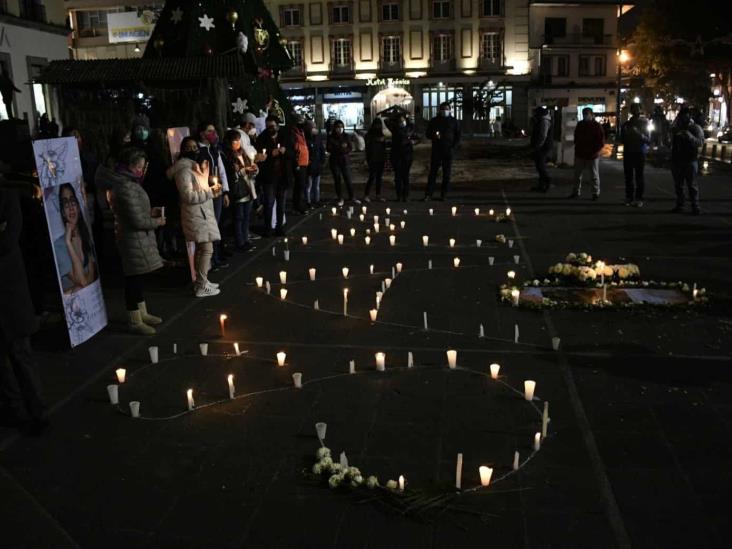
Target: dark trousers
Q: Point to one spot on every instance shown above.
(440, 159)
(218, 204)
(342, 171)
(634, 165)
(684, 174)
(540, 158)
(241, 222)
(376, 174)
(402, 168)
(298, 191)
(275, 191)
(134, 291)
(19, 385)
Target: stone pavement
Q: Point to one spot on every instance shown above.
(639, 443)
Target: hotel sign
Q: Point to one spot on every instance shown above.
(388, 82)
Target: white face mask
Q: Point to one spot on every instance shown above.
(445, 113)
(252, 132)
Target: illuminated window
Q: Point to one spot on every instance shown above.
(392, 49)
(342, 52)
(295, 49)
(442, 47)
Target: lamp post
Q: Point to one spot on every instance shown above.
(623, 57)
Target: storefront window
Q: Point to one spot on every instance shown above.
(351, 114)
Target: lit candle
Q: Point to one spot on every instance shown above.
(477, 211)
(372, 314)
(495, 368)
(283, 293)
(297, 380)
(388, 211)
(459, 472)
(191, 402)
(515, 294)
(515, 460)
(452, 359)
(371, 269)
(351, 366)
(236, 349)
(367, 240)
(222, 323)
(361, 217)
(491, 212)
(511, 275)
(311, 273)
(203, 347)
(456, 262)
(431, 211)
(399, 267)
(379, 295)
(353, 232)
(387, 283)
(425, 241)
(529, 388)
(260, 281)
(376, 219)
(410, 360)
(376, 227)
(404, 211)
(508, 212)
(545, 419)
(601, 268)
(485, 475)
(268, 286)
(333, 210)
(340, 239)
(364, 209)
(402, 482)
(230, 381)
(452, 242)
(392, 240)
(478, 243)
(345, 301)
(380, 362)
(402, 224)
(305, 240)
(454, 210)
(334, 233)
(154, 354)
(537, 441)
(281, 356)
(392, 227)
(481, 331)
(121, 375)
(344, 270)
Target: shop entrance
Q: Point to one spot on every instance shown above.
(391, 97)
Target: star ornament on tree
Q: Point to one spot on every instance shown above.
(176, 16)
(206, 22)
(240, 106)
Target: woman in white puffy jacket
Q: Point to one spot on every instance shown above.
(197, 212)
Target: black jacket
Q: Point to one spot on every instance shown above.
(316, 153)
(449, 133)
(375, 149)
(634, 135)
(339, 154)
(276, 170)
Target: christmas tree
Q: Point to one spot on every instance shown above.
(241, 28)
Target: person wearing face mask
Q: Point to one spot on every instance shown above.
(198, 218)
(275, 174)
(686, 138)
(210, 150)
(375, 158)
(301, 158)
(134, 228)
(402, 154)
(240, 171)
(589, 139)
(444, 131)
(339, 147)
(316, 157)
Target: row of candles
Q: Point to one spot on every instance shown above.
(431, 211)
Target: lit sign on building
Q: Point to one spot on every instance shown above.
(388, 82)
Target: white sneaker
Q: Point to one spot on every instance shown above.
(366, 199)
(340, 202)
(356, 201)
(214, 285)
(207, 291)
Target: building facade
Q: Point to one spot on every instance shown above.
(355, 58)
(32, 33)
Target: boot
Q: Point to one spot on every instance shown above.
(147, 318)
(137, 326)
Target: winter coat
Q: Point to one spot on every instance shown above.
(134, 227)
(402, 147)
(448, 129)
(635, 136)
(17, 315)
(541, 133)
(196, 203)
(589, 139)
(375, 149)
(316, 154)
(685, 143)
(339, 147)
(277, 170)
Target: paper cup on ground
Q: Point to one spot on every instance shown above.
(555, 343)
(297, 379)
(113, 392)
(153, 354)
(491, 259)
(287, 255)
(135, 408)
(204, 348)
(321, 429)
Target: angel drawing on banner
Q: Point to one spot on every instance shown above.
(53, 165)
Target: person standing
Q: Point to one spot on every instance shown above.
(375, 158)
(541, 146)
(589, 139)
(339, 146)
(301, 162)
(444, 131)
(636, 140)
(275, 174)
(316, 156)
(402, 154)
(20, 392)
(7, 91)
(198, 218)
(686, 138)
(134, 229)
(240, 172)
(248, 132)
(210, 150)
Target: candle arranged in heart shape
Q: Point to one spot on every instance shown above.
(283, 293)
(367, 240)
(281, 356)
(392, 240)
(495, 368)
(260, 281)
(340, 239)
(121, 375)
(283, 277)
(352, 232)
(529, 388)
(334, 233)
(452, 242)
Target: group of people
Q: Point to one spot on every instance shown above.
(687, 137)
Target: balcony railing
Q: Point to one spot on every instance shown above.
(579, 39)
(389, 66)
(490, 63)
(341, 69)
(446, 65)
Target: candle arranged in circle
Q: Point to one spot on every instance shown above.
(334, 233)
(485, 475)
(283, 293)
(495, 368)
(260, 281)
(380, 361)
(121, 375)
(529, 388)
(281, 356)
(311, 273)
(283, 277)
(456, 262)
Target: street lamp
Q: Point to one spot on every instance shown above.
(623, 57)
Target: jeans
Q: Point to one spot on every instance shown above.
(273, 198)
(19, 385)
(634, 165)
(202, 262)
(301, 178)
(580, 166)
(684, 175)
(439, 160)
(218, 204)
(312, 189)
(540, 158)
(241, 222)
(134, 288)
(341, 170)
(402, 168)
(376, 174)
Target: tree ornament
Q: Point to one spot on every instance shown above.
(240, 105)
(176, 16)
(158, 43)
(261, 35)
(206, 22)
(242, 42)
(232, 17)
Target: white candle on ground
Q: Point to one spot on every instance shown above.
(410, 360)
(351, 366)
(121, 375)
(601, 268)
(387, 283)
(425, 241)
(454, 210)
(511, 275)
(222, 323)
(203, 347)
(361, 217)
(371, 269)
(352, 231)
(135, 408)
(364, 209)
(515, 460)
(392, 240)
(260, 281)
(340, 239)
(424, 320)
(537, 441)
(495, 368)
(281, 356)
(491, 260)
(191, 402)
(373, 313)
(456, 262)
(478, 243)
(175, 348)
(393, 272)
(345, 301)
(508, 212)
(154, 354)
(305, 240)
(376, 227)
(392, 227)
(515, 294)
(545, 419)
(380, 362)
(510, 243)
(459, 472)
(333, 210)
(399, 267)
(485, 475)
(402, 483)
(491, 212)
(515, 333)
(481, 331)
(334, 233)
(383, 287)
(376, 219)
(367, 240)
(230, 381)
(113, 393)
(388, 211)
(529, 388)
(379, 295)
(283, 293)
(604, 292)
(316, 305)
(516, 259)
(387, 222)
(452, 359)
(452, 242)
(344, 270)
(402, 224)
(477, 211)
(286, 255)
(268, 286)
(297, 380)
(429, 264)
(431, 211)
(283, 277)
(311, 273)
(236, 349)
